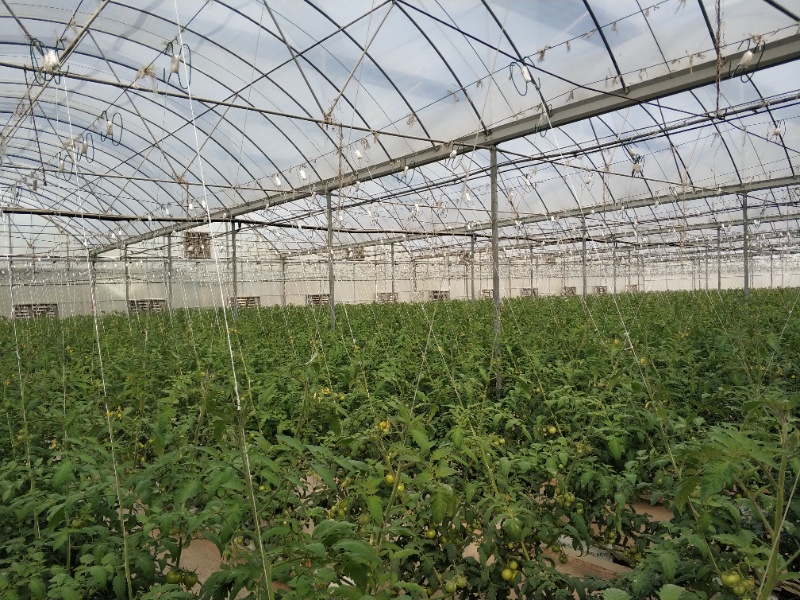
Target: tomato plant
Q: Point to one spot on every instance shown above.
(380, 459)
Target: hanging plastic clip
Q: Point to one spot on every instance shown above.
(177, 55)
(525, 73)
(46, 62)
(111, 127)
(750, 58)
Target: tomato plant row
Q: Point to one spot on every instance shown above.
(409, 452)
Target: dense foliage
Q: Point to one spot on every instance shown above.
(362, 462)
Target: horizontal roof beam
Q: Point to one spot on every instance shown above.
(695, 193)
(775, 53)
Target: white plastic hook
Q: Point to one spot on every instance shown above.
(51, 62)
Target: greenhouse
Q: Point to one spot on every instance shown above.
(473, 299)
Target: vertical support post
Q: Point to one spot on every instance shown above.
(413, 276)
(127, 279)
(10, 271)
(770, 269)
(629, 268)
(331, 299)
(639, 286)
(92, 284)
(394, 298)
(283, 281)
(531, 284)
(583, 258)
(614, 264)
(719, 259)
(509, 292)
(168, 273)
(495, 265)
(706, 258)
(745, 249)
(472, 267)
(235, 269)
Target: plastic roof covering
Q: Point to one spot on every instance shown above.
(271, 96)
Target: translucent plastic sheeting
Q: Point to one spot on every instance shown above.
(186, 109)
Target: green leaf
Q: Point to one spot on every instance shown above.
(438, 505)
(67, 593)
(669, 564)
(37, 588)
(615, 594)
(685, 489)
(421, 439)
(670, 591)
(615, 447)
(99, 575)
(504, 467)
(290, 441)
(63, 474)
(375, 507)
(316, 549)
(120, 585)
(357, 550)
(324, 474)
(189, 489)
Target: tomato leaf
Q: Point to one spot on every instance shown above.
(375, 507)
(670, 591)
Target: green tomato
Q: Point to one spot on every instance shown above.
(430, 533)
(730, 579)
(450, 587)
(174, 577)
(189, 580)
(507, 574)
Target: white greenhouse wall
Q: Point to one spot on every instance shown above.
(209, 283)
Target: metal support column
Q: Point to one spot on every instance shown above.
(235, 273)
(127, 279)
(614, 264)
(168, 273)
(531, 284)
(629, 269)
(394, 298)
(413, 278)
(770, 269)
(706, 276)
(495, 264)
(10, 271)
(745, 248)
(719, 259)
(331, 299)
(93, 284)
(472, 267)
(583, 258)
(283, 281)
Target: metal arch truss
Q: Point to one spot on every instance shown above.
(577, 213)
(775, 53)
